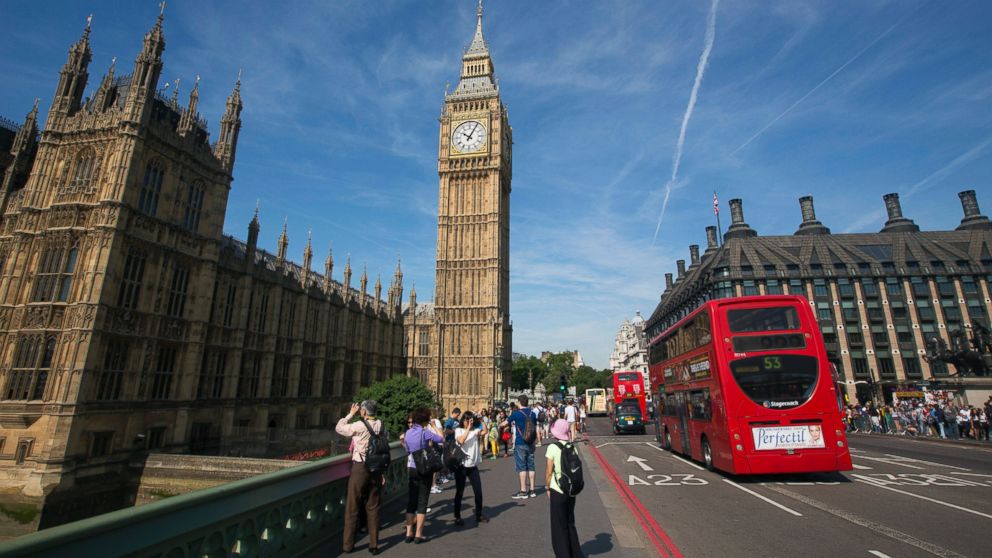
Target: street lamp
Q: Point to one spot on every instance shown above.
(498, 364)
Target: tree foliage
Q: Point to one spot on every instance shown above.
(397, 396)
(548, 372)
(520, 374)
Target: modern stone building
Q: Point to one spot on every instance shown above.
(878, 296)
(460, 344)
(630, 349)
(130, 323)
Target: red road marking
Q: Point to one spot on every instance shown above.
(661, 541)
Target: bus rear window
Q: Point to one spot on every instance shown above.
(779, 318)
(629, 377)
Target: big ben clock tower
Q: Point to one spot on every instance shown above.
(461, 348)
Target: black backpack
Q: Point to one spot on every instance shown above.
(530, 428)
(570, 476)
(377, 455)
(542, 416)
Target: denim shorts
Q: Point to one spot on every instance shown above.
(523, 458)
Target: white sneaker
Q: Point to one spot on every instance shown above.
(435, 490)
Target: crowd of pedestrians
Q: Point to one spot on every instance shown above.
(440, 450)
(940, 418)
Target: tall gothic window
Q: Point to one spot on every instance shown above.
(305, 389)
(82, 176)
(134, 270)
(212, 375)
(110, 381)
(29, 373)
(54, 276)
(194, 204)
(165, 365)
(151, 188)
(177, 292)
(229, 304)
(280, 378)
(251, 370)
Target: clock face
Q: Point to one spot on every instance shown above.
(469, 136)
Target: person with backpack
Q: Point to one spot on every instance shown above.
(564, 481)
(525, 434)
(417, 438)
(370, 459)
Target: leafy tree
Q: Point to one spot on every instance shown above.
(520, 374)
(586, 377)
(397, 396)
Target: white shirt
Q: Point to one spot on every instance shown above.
(570, 413)
(470, 446)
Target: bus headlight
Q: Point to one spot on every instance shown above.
(838, 433)
(737, 436)
(840, 444)
(740, 447)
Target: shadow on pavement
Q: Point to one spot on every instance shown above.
(602, 544)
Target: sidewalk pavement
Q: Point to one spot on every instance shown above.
(514, 525)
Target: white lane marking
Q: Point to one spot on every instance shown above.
(765, 498)
(622, 444)
(888, 461)
(687, 462)
(879, 554)
(927, 462)
(640, 462)
(856, 466)
(875, 527)
(921, 497)
(853, 450)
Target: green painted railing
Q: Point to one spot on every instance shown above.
(283, 513)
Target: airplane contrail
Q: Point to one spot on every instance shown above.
(704, 59)
(821, 84)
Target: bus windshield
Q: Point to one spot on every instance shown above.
(628, 377)
(776, 382)
(778, 318)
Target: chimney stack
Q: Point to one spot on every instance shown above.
(668, 281)
(694, 254)
(810, 225)
(711, 238)
(973, 218)
(738, 228)
(896, 222)
(680, 265)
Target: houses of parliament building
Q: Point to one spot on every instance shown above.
(130, 322)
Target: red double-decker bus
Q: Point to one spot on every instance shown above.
(743, 385)
(629, 384)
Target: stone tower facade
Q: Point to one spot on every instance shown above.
(130, 323)
(460, 345)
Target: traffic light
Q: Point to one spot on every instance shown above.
(562, 384)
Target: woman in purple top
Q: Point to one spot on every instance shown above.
(415, 439)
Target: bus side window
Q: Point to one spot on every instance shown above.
(703, 329)
(701, 404)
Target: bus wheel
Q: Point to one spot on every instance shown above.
(707, 455)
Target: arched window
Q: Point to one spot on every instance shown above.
(151, 188)
(53, 279)
(83, 170)
(29, 373)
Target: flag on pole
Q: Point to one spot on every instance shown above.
(716, 205)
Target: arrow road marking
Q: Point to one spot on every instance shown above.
(641, 462)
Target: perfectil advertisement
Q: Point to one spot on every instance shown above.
(788, 437)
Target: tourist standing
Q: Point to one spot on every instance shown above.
(564, 536)
(571, 417)
(363, 485)
(467, 437)
(523, 452)
(416, 438)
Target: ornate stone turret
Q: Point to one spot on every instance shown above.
(230, 126)
(328, 269)
(413, 297)
(190, 116)
(347, 277)
(896, 222)
(396, 289)
(253, 229)
(378, 288)
(147, 69)
(478, 77)
(307, 257)
(283, 242)
(72, 80)
(363, 283)
(105, 94)
(738, 228)
(973, 218)
(810, 225)
(23, 150)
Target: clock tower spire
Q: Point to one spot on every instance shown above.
(467, 355)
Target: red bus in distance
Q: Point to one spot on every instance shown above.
(743, 385)
(629, 384)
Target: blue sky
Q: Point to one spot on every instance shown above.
(844, 100)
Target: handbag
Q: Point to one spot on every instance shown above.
(454, 455)
(428, 459)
